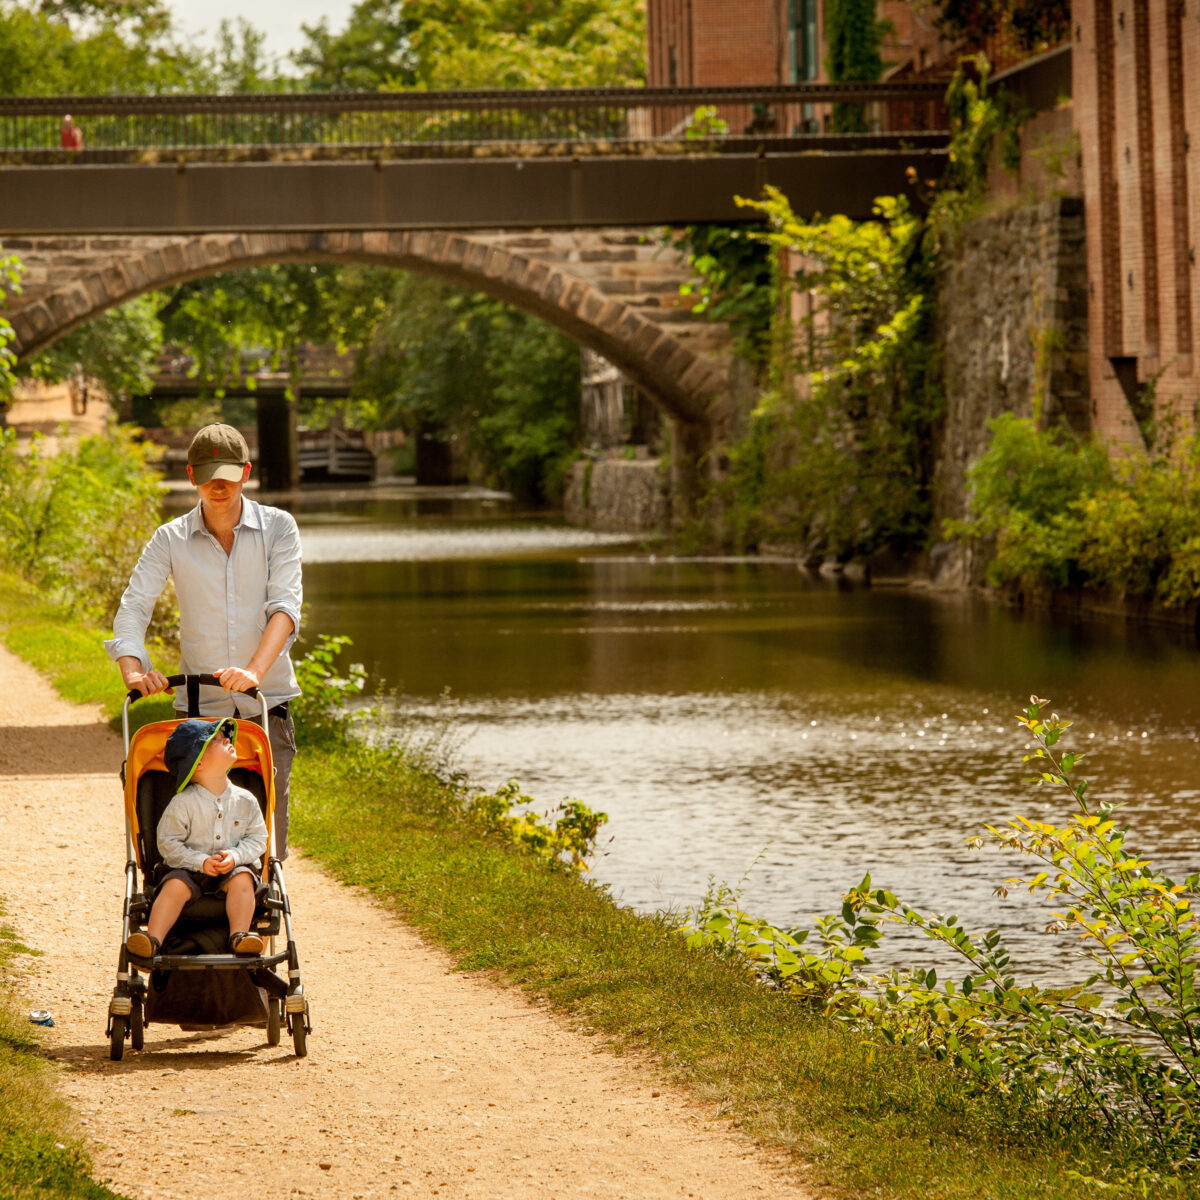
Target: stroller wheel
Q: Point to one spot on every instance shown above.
(137, 1024)
(273, 1022)
(300, 1033)
(116, 1046)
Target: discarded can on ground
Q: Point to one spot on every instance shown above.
(41, 1016)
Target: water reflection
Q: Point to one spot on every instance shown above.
(730, 715)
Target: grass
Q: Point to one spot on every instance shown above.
(65, 651)
(40, 1153)
(859, 1118)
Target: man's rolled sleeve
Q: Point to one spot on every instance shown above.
(284, 588)
(146, 584)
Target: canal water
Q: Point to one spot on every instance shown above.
(747, 722)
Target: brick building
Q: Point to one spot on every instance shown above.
(1136, 94)
(713, 43)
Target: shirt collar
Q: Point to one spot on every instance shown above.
(250, 517)
(223, 794)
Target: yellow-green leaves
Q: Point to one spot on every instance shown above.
(569, 840)
(1124, 1056)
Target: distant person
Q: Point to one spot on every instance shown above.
(72, 135)
(236, 567)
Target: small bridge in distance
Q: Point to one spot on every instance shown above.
(459, 160)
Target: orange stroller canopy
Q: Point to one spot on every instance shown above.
(146, 754)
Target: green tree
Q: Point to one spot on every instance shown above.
(118, 349)
(90, 48)
(240, 62)
(479, 43)
(372, 52)
(235, 323)
(847, 465)
(504, 382)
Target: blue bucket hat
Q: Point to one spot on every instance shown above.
(187, 744)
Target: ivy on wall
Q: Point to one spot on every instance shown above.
(854, 37)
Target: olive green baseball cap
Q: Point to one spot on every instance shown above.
(218, 452)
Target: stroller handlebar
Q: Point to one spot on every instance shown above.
(181, 681)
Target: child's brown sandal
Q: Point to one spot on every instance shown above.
(143, 945)
(248, 943)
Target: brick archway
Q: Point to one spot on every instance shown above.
(73, 280)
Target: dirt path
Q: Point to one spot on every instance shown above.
(419, 1081)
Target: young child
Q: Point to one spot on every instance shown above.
(211, 835)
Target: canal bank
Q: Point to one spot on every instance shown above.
(856, 1116)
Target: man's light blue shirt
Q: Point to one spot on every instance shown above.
(225, 601)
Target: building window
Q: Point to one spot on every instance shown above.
(802, 34)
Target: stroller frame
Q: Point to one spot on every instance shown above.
(285, 1000)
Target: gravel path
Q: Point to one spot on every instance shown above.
(419, 1081)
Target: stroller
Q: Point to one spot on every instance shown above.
(194, 982)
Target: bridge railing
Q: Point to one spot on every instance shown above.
(451, 124)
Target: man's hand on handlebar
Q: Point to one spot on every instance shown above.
(149, 684)
(237, 679)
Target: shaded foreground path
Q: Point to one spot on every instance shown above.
(419, 1081)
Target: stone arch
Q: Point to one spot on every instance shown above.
(684, 380)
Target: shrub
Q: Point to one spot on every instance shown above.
(847, 465)
(1118, 1051)
(1027, 493)
(1054, 512)
(321, 711)
(75, 522)
(1142, 535)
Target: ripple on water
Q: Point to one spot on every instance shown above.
(392, 544)
(754, 791)
(747, 723)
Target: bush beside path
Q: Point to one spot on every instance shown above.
(420, 1080)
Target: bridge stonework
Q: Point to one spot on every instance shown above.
(613, 290)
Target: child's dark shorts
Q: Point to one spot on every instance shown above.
(209, 885)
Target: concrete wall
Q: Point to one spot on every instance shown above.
(1012, 327)
(622, 495)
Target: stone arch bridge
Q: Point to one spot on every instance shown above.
(614, 290)
(545, 199)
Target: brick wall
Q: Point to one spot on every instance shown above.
(716, 43)
(1136, 93)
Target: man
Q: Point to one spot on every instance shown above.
(236, 566)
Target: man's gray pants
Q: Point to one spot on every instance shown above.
(283, 749)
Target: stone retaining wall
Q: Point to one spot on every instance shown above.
(1012, 329)
(620, 495)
